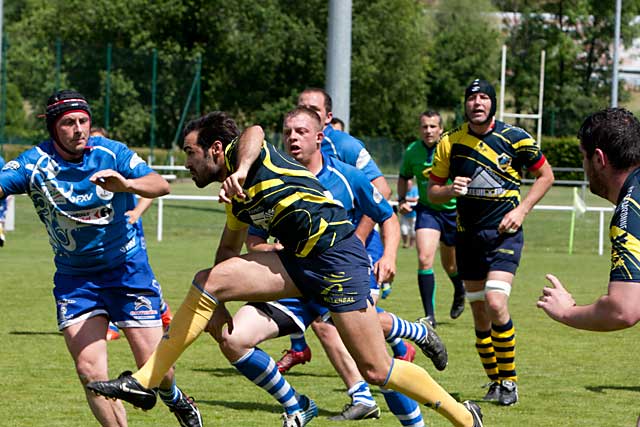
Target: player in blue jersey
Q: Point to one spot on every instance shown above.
(610, 146)
(134, 215)
(3, 211)
(321, 260)
(483, 158)
(81, 188)
(352, 151)
(259, 321)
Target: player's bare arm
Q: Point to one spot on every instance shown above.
(249, 146)
(142, 206)
(364, 228)
(385, 268)
(616, 310)
(230, 243)
(404, 207)
(383, 186)
(543, 182)
(149, 186)
(258, 244)
(442, 193)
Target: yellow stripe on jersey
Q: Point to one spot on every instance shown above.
(284, 171)
(313, 239)
(263, 185)
(233, 222)
(524, 143)
(626, 251)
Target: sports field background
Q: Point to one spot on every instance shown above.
(567, 377)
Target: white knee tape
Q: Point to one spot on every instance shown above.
(475, 296)
(498, 286)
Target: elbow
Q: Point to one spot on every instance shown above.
(626, 319)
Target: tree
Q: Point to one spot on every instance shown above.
(466, 45)
(577, 37)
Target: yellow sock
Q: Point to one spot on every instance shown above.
(187, 324)
(414, 382)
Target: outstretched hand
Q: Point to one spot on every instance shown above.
(556, 300)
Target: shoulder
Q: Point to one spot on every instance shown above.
(454, 134)
(512, 133)
(345, 139)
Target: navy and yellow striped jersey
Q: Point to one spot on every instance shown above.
(624, 232)
(493, 162)
(288, 202)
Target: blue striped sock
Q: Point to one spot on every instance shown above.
(360, 393)
(401, 328)
(406, 410)
(261, 369)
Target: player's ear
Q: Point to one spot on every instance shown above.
(217, 147)
(601, 158)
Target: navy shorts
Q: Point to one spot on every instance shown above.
(292, 315)
(443, 221)
(128, 294)
(481, 251)
(338, 278)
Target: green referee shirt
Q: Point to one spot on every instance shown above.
(417, 162)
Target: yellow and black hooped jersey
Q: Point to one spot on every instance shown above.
(288, 202)
(624, 232)
(493, 162)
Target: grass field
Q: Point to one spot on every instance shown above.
(567, 377)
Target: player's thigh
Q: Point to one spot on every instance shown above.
(143, 342)
(87, 344)
(362, 334)
(257, 276)
(250, 327)
(427, 241)
(448, 258)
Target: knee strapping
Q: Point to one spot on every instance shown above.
(498, 286)
(475, 296)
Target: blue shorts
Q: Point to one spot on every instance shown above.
(375, 249)
(481, 251)
(443, 221)
(338, 278)
(128, 295)
(292, 315)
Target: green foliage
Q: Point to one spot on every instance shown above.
(564, 152)
(256, 57)
(577, 37)
(465, 46)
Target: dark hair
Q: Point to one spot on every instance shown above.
(616, 131)
(306, 111)
(215, 126)
(336, 120)
(63, 102)
(100, 131)
(328, 103)
(432, 113)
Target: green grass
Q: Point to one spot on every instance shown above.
(567, 377)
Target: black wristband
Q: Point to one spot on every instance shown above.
(402, 200)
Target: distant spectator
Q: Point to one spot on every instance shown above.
(408, 219)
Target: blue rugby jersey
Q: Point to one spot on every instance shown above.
(287, 202)
(349, 150)
(624, 232)
(87, 226)
(493, 162)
